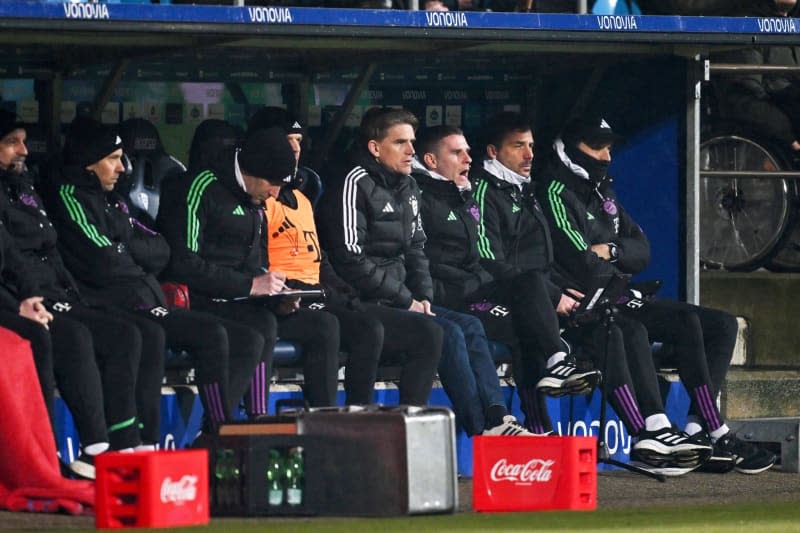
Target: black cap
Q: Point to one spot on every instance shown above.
(271, 116)
(88, 141)
(9, 122)
(594, 131)
(266, 154)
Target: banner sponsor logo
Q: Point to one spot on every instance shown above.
(446, 19)
(86, 11)
(777, 25)
(616, 22)
(271, 15)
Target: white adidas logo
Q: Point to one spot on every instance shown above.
(388, 208)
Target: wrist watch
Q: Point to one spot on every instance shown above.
(613, 251)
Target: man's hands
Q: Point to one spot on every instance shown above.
(33, 309)
(603, 251)
(423, 307)
(268, 284)
(569, 302)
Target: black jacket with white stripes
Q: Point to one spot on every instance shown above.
(371, 228)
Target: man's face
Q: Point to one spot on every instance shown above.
(259, 190)
(515, 152)
(451, 159)
(396, 150)
(294, 141)
(13, 152)
(108, 169)
(601, 152)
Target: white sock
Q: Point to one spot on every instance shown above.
(126, 450)
(145, 448)
(555, 359)
(656, 422)
(693, 425)
(719, 432)
(96, 449)
(692, 428)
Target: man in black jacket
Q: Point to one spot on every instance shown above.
(513, 238)
(594, 236)
(214, 223)
(372, 229)
(367, 330)
(116, 258)
(517, 309)
(95, 355)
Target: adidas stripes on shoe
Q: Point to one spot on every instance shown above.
(566, 378)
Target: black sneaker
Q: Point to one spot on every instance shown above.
(747, 457)
(83, 466)
(719, 462)
(566, 378)
(670, 447)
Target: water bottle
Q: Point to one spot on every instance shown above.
(295, 477)
(220, 477)
(234, 478)
(275, 478)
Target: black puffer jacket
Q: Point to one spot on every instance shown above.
(113, 256)
(451, 221)
(371, 228)
(581, 214)
(513, 236)
(216, 234)
(33, 235)
(15, 285)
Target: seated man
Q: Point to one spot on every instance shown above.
(593, 236)
(513, 236)
(372, 229)
(115, 259)
(517, 308)
(97, 356)
(214, 223)
(367, 329)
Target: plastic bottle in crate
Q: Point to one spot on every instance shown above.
(275, 477)
(295, 477)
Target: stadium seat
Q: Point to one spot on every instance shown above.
(151, 165)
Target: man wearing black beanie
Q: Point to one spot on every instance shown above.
(214, 222)
(593, 237)
(95, 355)
(116, 259)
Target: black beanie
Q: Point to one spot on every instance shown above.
(8, 123)
(88, 141)
(593, 131)
(271, 116)
(266, 154)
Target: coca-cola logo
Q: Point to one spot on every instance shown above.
(535, 470)
(179, 492)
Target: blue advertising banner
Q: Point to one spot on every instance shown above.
(257, 15)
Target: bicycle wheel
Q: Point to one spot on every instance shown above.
(741, 218)
(787, 256)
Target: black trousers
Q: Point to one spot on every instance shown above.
(702, 342)
(518, 312)
(42, 349)
(623, 351)
(361, 336)
(101, 393)
(415, 343)
(222, 351)
(259, 318)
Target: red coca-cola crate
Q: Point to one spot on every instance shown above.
(534, 473)
(152, 489)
